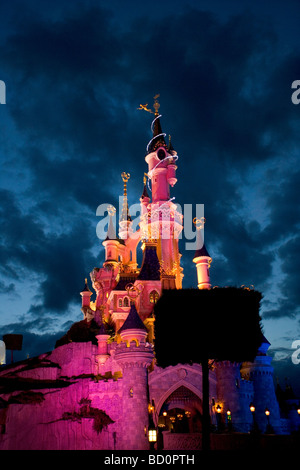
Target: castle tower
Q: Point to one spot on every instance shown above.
(260, 372)
(102, 339)
(201, 258)
(135, 356)
(229, 396)
(85, 295)
(162, 221)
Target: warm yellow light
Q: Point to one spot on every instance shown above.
(298, 411)
(152, 435)
(218, 409)
(165, 413)
(267, 412)
(252, 408)
(228, 412)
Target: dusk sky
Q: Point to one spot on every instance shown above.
(75, 74)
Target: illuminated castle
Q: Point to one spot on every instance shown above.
(100, 385)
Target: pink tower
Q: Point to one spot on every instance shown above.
(160, 220)
(134, 356)
(86, 295)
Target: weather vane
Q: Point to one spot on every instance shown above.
(134, 290)
(199, 223)
(125, 176)
(156, 106)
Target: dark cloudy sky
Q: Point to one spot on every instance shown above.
(75, 74)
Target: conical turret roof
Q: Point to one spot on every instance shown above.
(150, 270)
(145, 192)
(201, 250)
(86, 287)
(133, 321)
(158, 137)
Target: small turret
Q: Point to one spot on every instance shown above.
(86, 295)
(133, 329)
(201, 258)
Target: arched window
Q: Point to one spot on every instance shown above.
(120, 302)
(126, 302)
(153, 297)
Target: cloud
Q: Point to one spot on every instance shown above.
(74, 81)
(58, 260)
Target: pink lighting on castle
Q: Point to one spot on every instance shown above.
(92, 392)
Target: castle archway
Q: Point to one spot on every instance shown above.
(181, 412)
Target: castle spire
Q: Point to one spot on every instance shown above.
(145, 192)
(158, 137)
(111, 231)
(125, 215)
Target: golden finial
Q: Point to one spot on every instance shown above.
(199, 223)
(125, 178)
(134, 290)
(156, 104)
(145, 177)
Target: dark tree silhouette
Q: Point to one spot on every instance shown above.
(195, 326)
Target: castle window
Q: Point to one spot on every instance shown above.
(126, 302)
(120, 302)
(115, 302)
(153, 297)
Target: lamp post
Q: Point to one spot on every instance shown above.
(152, 431)
(218, 410)
(152, 436)
(165, 416)
(252, 409)
(267, 413)
(229, 422)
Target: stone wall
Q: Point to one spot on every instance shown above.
(55, 402)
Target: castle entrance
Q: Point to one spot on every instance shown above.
(181, 412)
